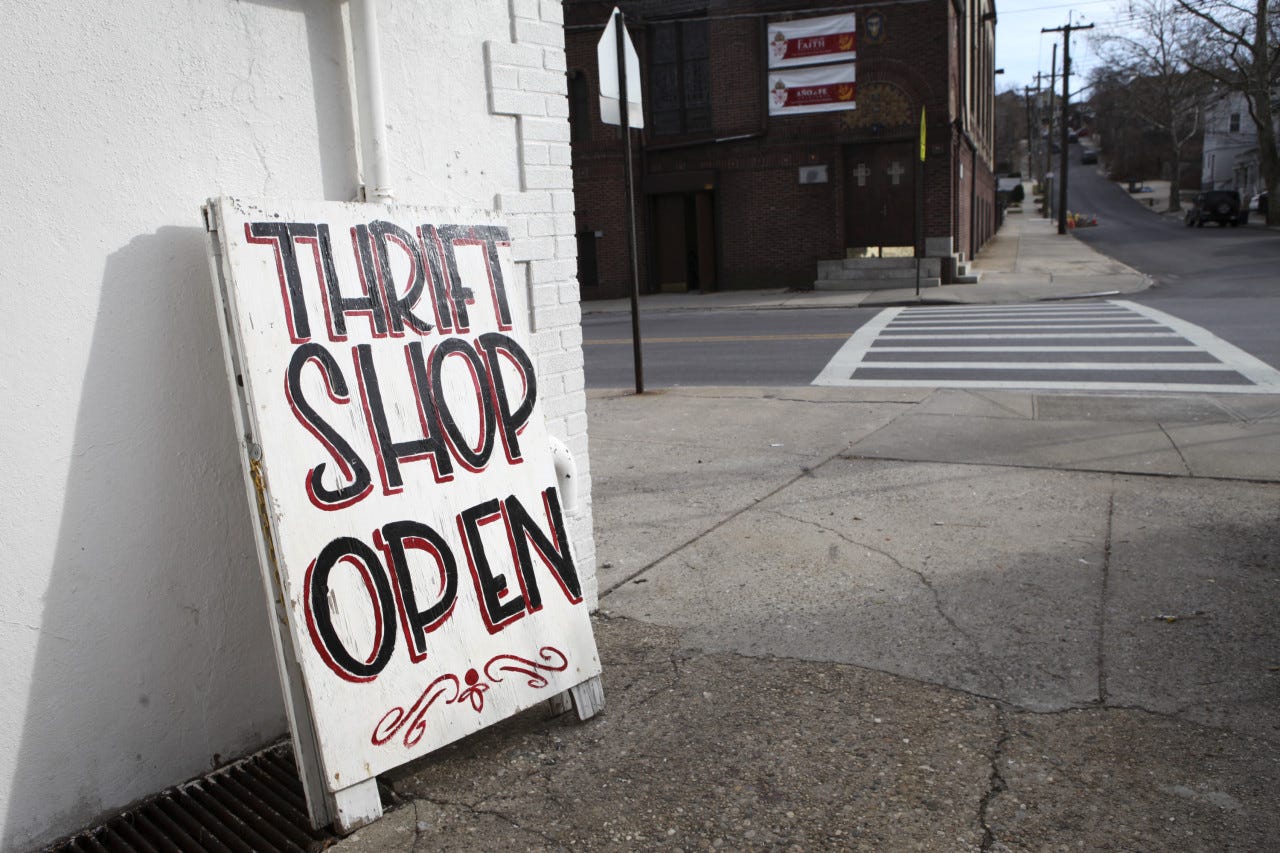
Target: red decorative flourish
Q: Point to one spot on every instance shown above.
(551, 659)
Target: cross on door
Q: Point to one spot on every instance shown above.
(862, 173)
(896, 172)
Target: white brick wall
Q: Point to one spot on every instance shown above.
(527, 81)
(120, 486)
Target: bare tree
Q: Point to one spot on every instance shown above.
(1240, 50)
(1158, 58)
(1010, 118)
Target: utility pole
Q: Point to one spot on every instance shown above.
(1041, 164)
(1031, 151)
(1048, 142)
(1066, 101)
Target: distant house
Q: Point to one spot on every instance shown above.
(740, 184)
(1230, 160)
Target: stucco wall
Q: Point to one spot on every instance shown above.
(136, 646)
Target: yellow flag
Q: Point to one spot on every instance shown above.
(922, 134)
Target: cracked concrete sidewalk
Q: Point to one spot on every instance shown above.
(904, 620)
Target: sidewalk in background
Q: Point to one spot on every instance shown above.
(1026, 261)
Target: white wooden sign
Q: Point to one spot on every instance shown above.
(412, 536)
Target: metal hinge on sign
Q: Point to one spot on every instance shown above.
(210, 218)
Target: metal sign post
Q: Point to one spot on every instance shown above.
(919, 202)
(619, 84)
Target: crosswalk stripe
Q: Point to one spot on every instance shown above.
(1042, 311)
(1032, 335)
(1254, 369)
(1206, 388)
(1045, 365)
(846, 360)
(1189, 348)
(1116, 327)
(1025, 312)
(1145, 324)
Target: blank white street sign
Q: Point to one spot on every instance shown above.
(610, 85)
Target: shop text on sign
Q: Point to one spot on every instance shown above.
(392, 314)
(412, 507)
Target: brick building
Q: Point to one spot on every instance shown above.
(729, 196)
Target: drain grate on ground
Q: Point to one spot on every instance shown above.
(253, 805)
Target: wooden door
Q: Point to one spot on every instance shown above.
(879, 195)
(669, 246)
(684, 242)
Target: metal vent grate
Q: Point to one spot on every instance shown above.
(252, 805)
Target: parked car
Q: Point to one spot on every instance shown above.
(1259, 203)
(1089, 155)
(1220, 206)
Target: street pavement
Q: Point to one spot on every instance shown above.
(838, 618)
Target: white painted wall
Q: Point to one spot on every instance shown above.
(132, 621)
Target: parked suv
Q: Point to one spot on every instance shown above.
(1220, 206)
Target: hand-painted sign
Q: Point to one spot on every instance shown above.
(401, 472)
(812, 40)
(819, 89)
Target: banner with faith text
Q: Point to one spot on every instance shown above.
(811, 41)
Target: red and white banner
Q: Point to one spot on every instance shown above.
(813, 40)
(818, 89)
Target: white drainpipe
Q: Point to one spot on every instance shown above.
(377, 168)
(373, 113)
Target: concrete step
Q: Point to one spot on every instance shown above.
(888, 267)
(875, 263)
(963, 273)
(860, 274)
(874, 283)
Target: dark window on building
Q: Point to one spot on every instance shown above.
(1235, 123)
(679, 78)
(588, 265)
(579, 107)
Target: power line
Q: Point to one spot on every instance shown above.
(1055, 6)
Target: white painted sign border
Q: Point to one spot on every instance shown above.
(551, 654)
